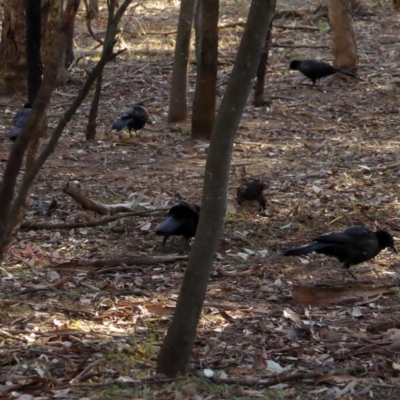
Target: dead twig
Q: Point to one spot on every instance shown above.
(86, 370)
(37, 226)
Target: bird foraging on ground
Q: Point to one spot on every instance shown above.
(135, 118)
(315, 70)
(252, 191)
(182, 220)
(351, 247)
(19, 121)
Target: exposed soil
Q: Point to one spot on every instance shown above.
(330, 156)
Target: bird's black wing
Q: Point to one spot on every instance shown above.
(184, 208)
(354, 235)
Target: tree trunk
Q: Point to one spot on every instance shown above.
(197, 29)
(51, 13)
(174, 356)
(206, 80)
(177, 102)
(33, 41)
(13, 76)
(396, 4)
(344, 41)
(69, 52)
(92, 123)
(13, 57)
(262, 68)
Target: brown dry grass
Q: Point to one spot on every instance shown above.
(330, 155)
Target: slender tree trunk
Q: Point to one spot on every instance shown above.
(33, 40)
(344, 41)
(396, 4)
(69, 52)
(261, 70)
(13, 71)
(197, 29)
(177, 102)
(92, 123)
(206, 81)
(174, 356)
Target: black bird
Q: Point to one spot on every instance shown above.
(316, 69)
(182, 220)
(252, 191)
(353, 246)
(19, 121)
(135, 118)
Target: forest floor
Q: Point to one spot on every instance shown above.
(330, 157)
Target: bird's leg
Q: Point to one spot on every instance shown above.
(346, 268)
(352, 275)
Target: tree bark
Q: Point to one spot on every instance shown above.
(69, 52)
(33, 42)
(51, 14)
(174, 356)
(261, 70)
(396, 4)
(197, 29)
(13, 56)
(344, 41)
(92, 122)
(13, 76)
(177, 102)
(206, 80)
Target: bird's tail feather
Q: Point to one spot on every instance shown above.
(120, 124)
(169, 226)
(306, 249)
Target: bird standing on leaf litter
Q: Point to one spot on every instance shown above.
(252, 191)
(182, 220)
(315, 70)
(351, 247)
(19, 121)
(135, 118)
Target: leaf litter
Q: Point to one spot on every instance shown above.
(83, 314)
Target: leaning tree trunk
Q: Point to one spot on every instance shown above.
(174, 356)
(344, 41)
(177, 102)
(13, 76)
(207, 65)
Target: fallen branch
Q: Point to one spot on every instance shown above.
(37, 226)
(143, 260)
(291, 378)
(297, 27)
(300, 46)
(88, 204)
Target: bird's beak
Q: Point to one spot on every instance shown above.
(394, 249)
